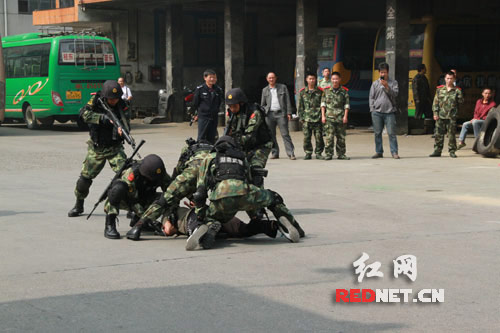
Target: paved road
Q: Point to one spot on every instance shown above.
(59, 274)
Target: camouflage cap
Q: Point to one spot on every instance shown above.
(111, 89)
(235, 96)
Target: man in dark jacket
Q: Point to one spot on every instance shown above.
(207, 100)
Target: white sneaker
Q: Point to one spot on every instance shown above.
(194, 240)
(288, 230)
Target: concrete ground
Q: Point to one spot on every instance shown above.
(60, 274)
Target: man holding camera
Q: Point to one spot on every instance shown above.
(383, 93)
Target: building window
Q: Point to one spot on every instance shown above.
(208, 26)
(28, 6)
(66, 3)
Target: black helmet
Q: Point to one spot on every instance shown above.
(111, 89)
(152, 168)
(225, 142)
(235, 96)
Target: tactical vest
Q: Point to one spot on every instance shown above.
(190, 152)
(101, 135)
(230, 165)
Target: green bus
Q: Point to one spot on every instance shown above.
(51, 76)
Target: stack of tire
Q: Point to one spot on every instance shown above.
(488, 141)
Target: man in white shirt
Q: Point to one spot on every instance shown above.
(276, 101)
(127, 94)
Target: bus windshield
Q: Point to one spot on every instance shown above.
(86, 52)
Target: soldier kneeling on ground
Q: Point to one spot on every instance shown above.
(226, 173)
(135, 190)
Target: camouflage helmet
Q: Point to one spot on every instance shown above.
(111, 89)
(152, 168)
(235, 96)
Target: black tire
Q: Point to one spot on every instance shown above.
(47, 122)
(488, 143)
(474, 146)
(30, 118)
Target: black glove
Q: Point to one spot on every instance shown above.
(105, 120)
(200, 196)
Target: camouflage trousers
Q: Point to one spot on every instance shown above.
(137, 207)
(309, 129)
(258, 156)
(224, 209)
(182, 186)
(335, 130)
(443, 127)
(110, 209)
(96, 159)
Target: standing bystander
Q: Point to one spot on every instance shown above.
(309, 110)
(334, 111)
(276, 101)
(445, 109)
(382, 100)
(325, 81)
(422, 94)
(207, 100)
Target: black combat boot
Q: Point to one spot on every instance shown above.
(135, 232)
(77, 209)
(257, 226)
(208, 240)
(110, 228)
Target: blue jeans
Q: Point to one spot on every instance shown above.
(380, 119)
(476, 126)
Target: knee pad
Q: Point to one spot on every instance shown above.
(117, 193)
(83, 185)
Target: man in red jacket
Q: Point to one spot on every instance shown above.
(483, 106)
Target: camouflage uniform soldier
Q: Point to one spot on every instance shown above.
(134, 191)
(325, 81)
(445, 109)
(105, 141)
(226, 173)
(184, 183)
(248, 127)
(334, 110)
(309, 110)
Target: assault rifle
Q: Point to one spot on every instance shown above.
(229, 123)
(118, 124)
(127, 164)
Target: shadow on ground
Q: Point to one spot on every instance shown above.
(190, 308)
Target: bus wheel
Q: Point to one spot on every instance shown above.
(30, 118)
(47, 122)
(82, 125)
